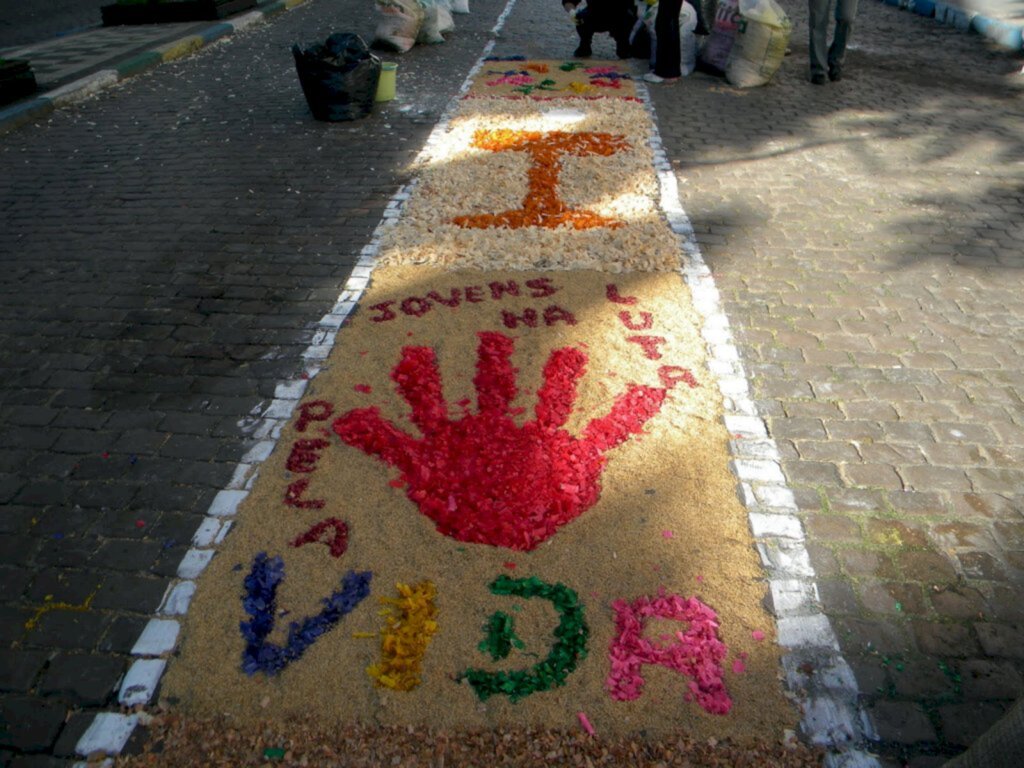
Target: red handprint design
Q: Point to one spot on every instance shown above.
(482, 478)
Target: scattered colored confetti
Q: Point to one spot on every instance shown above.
(585, 722)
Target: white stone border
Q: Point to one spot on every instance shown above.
(817, 675)
(110, 731)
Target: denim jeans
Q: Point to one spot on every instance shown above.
(825, 57)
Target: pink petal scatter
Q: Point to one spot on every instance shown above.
(585, 722)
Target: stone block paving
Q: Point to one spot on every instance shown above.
(168, 248)
(59, 60)
(868, 241)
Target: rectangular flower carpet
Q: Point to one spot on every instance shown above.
(505, 500)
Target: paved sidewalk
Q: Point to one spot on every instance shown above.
(867, 239)
(168, 248)
(73, 66)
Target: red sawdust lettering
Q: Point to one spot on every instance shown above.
(498, 289)
(314, 410)
(512, 320)
(474, 294)
(649, 344)
(337, 542)
(645, 324)
(305, 454)
(386, 313)
(612, 292)
(416, 306)
(452, 300)
(670, 375)
(296, 490)
(555, 314)
(541, 287)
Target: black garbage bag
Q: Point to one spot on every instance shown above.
(338, 76)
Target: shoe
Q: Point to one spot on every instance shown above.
(650, 77)
(835, 74)
(818, 79)
(583, 52)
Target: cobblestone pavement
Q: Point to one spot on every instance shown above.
(24, 23)
(868, 241)
(169, 246)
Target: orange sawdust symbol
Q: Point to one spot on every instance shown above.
(542, 207)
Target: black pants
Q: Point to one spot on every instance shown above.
(666, 33)
(616, 23)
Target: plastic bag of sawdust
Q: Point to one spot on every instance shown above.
(399, 25)
(714, 56)
(460, 6)
(339, 77)
(761, 40)
(437, 20)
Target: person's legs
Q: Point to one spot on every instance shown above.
(702, 26)
(620, 27)
(846, 12)
(666, 30)
(585, 29)
(817, 24)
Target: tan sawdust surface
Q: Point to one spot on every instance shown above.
(668, 517)
(457, 179)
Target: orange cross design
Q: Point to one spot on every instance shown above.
(542, 207)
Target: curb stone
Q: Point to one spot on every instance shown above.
(40, 106)
(1005, 34)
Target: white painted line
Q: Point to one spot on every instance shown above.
(259, 452)
(808, 631)
(177, 599)
(758, 471)
(158, 638)
(141, 681)
(785, 558)
(775, 526)
(225, 503)
(107, 734)
(794, 597)
(207, 532)
(194, 563)
(281, 409)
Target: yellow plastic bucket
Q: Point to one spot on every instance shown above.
(386, 84)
